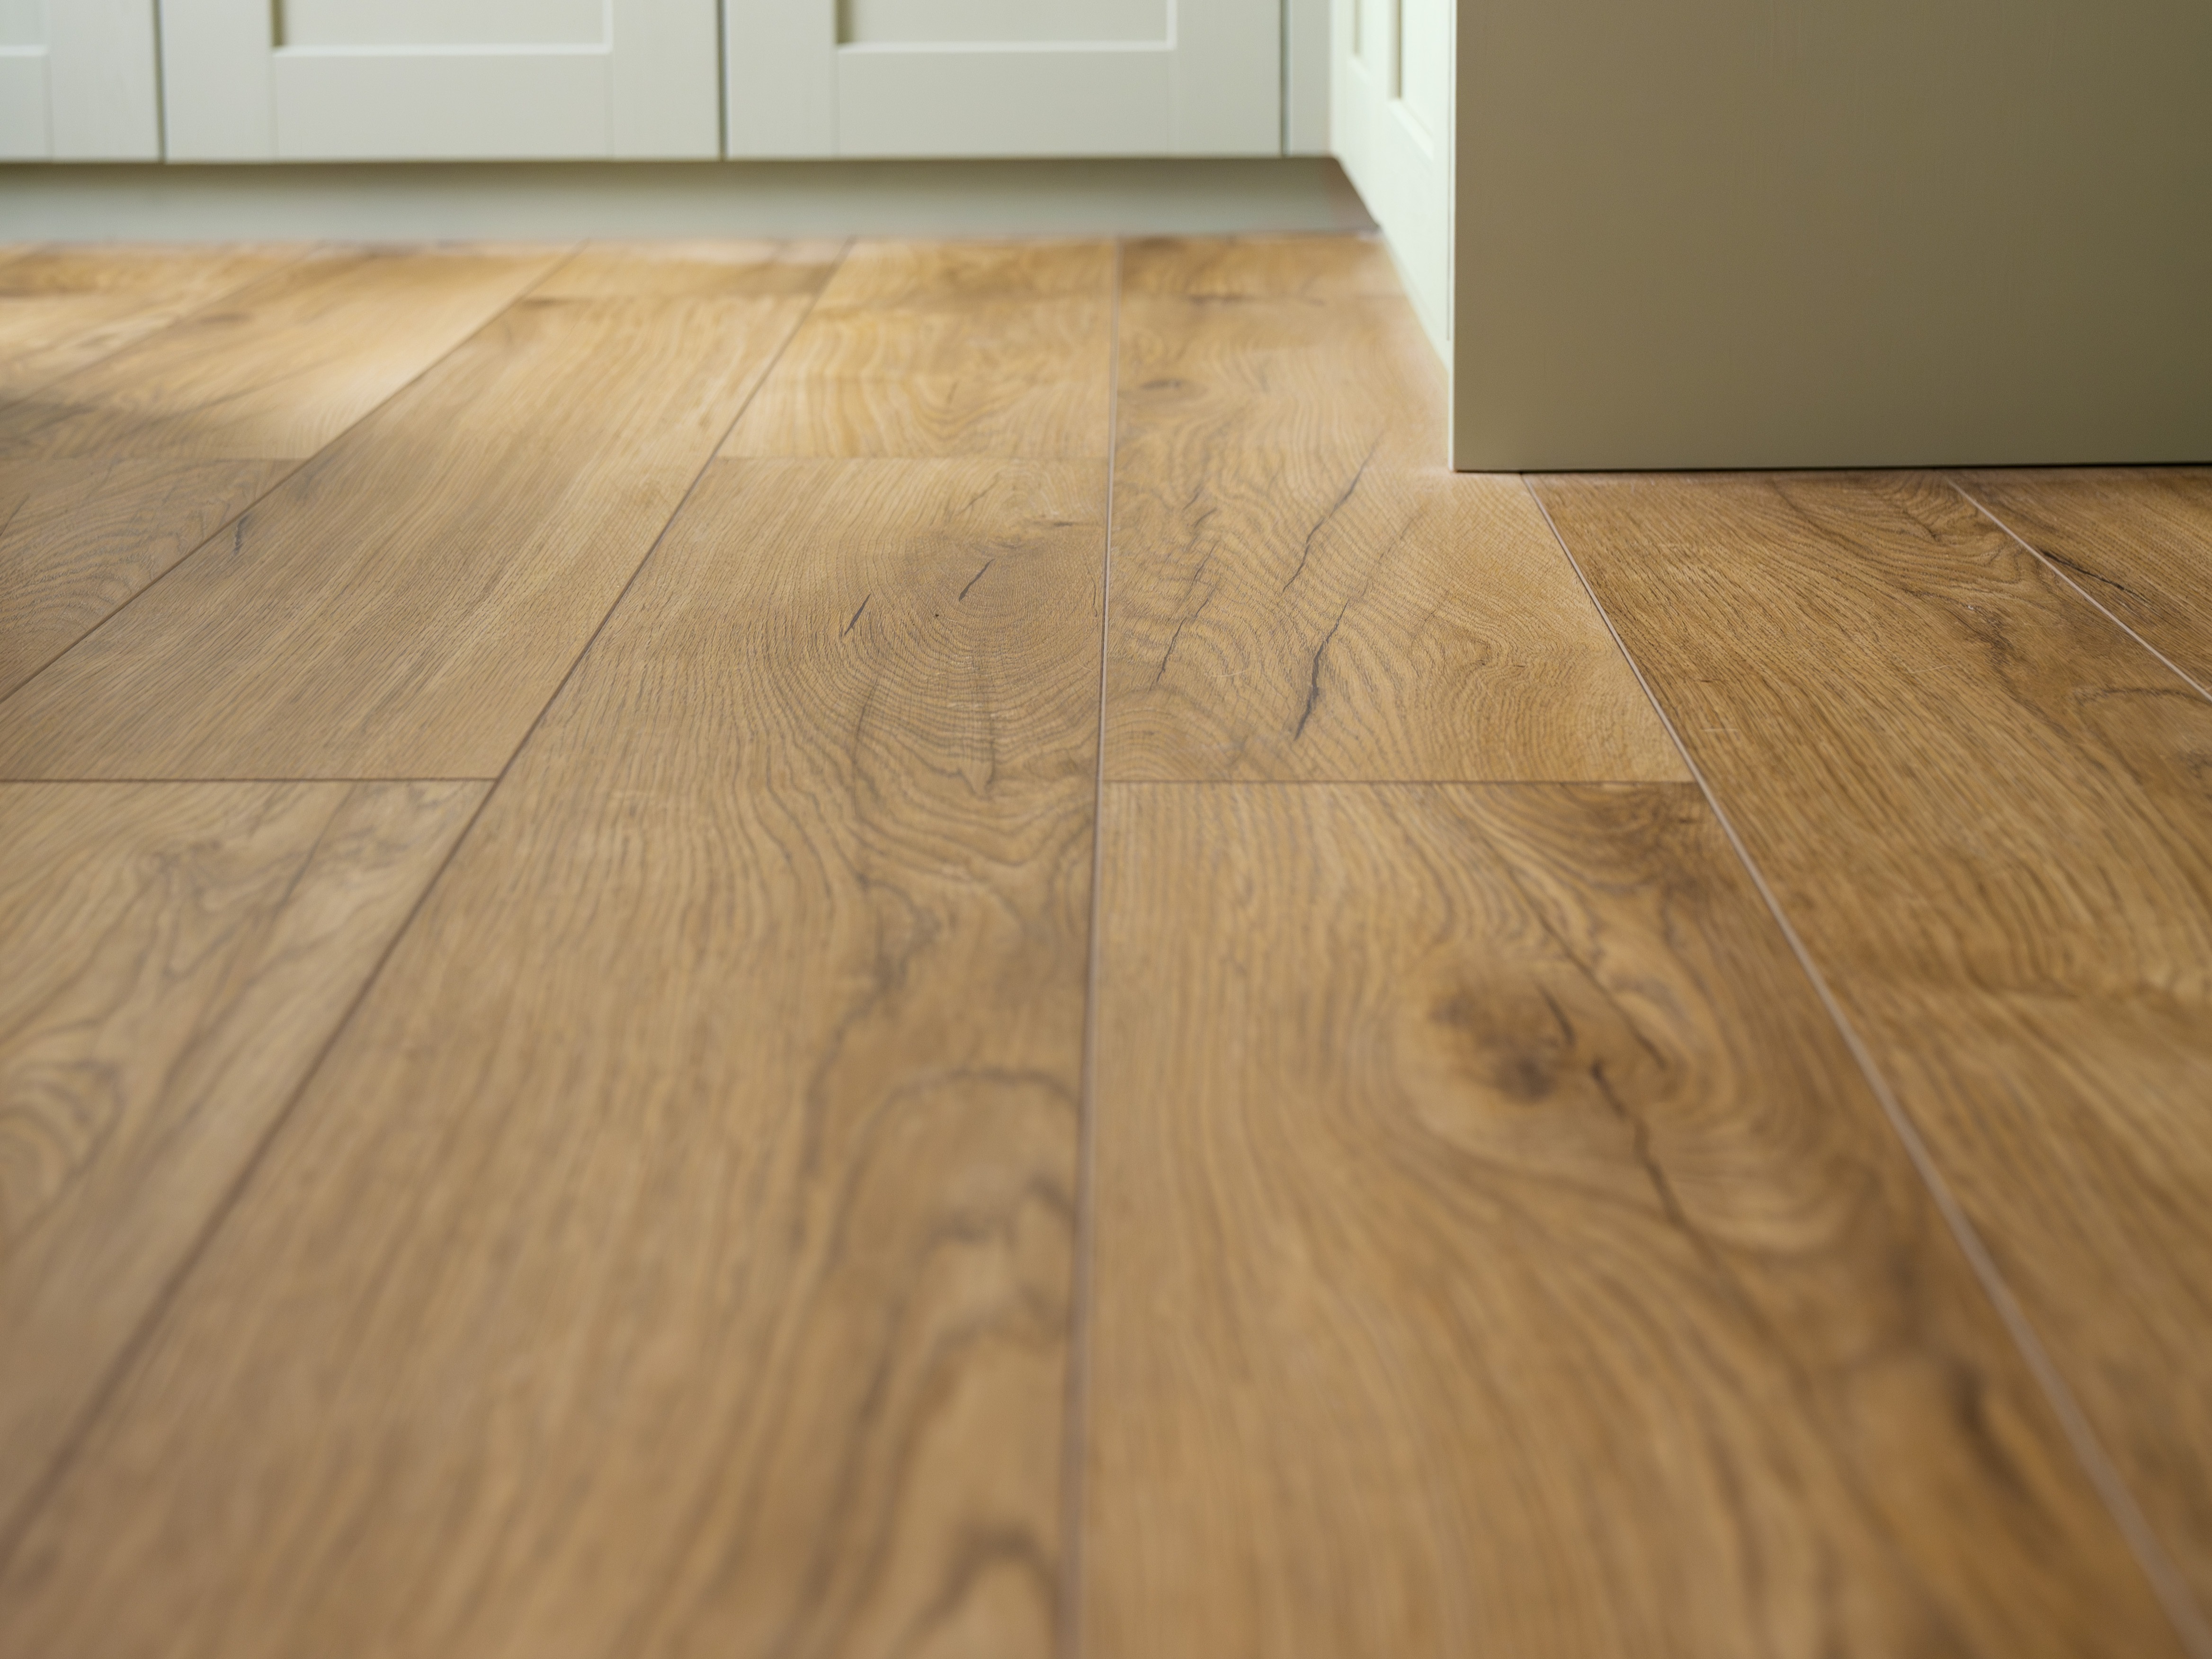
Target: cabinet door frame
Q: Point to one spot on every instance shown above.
(1211, 86)
(1402, 170)
(88, 93)
(646, 90)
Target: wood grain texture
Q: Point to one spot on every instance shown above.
(1242, 268)
(1227, 344)
(177, 956)
(693, 270)
(924, 350)
(403, 605)
(64, 306)
(282, 365)
(1985, 809)
(1498, 1253)
(79, 538)
(672, 1256)
(2138, 540)
(1294, 598)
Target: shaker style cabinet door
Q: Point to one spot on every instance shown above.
(78, 83)
(1004, 78)
(1390, 124)
(438, 79)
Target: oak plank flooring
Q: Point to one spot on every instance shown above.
(79, 538)
(1232, 344)
(923, 350)
(64, 306)
(110, 475)
(671, 1255)
(2137, 539)
(1244, 268)
(283, 365)
(405, 605)
(1297, 598)
(1295, 615)
(1985, 808)
(1498, 1252)
(692, 270)
(177, 955)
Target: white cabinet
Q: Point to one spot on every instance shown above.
(76, 80)
(1390, 124)
(442, 80)
(490, 80)
(1005, 77)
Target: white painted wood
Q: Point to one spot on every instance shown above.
(631, 78)
(664, 82)
(781, 69)
(442, 22)
(77, 81)
(417, 106)
(1305, 77)
(24, 133)
(1008, 103)
(1391, 119)
(565, 201)
(218, 95)
(101, 80)
(906, 21)
(1208, 82)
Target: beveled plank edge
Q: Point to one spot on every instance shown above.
(2067, 577)
(1075, 1407)
(301, 253)
(13, 1530)
(274, 484)
(2166, 1582)
(130, 1353)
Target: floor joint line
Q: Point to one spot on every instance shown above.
(2166, 1583)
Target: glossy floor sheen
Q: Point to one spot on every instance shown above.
(926, 949)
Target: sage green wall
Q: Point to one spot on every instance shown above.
(1831, 232)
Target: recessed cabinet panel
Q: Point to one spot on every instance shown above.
(902, 21)
(442, 22)
(76, 82)
(439, 80)
(1005, 77)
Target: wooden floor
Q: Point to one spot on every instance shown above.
(841, 950)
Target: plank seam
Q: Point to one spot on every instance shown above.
(128, 1355)
(287, 476)
(306, 250)
(158, 1310)
(1399, 783)
(304, 777)
(2165, 1581)
(1076, 1408)
(2059, 571)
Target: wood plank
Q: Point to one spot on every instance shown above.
(1256, 344)
(1985, 809)
(177, 956)
(64, 306)
(405, 604)
(79, 538)
(695, 270)
(283, 365)
(1298, 615)
(1295, 597)
(672, 1256)
(2138, 540)
(1238, 268)
(1498, 1253)
(942, 348)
